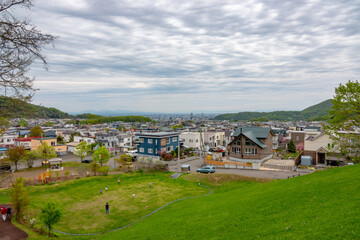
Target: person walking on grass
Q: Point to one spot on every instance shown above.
(100, 190)
(107, 208)
(133, 195)
(118, 180)
(150, 184)
(105, 188)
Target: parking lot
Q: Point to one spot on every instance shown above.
(195, 164)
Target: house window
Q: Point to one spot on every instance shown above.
(174, 139)
(150, 150)
(236, 150)
(156, 141)
(141, 140)
(251, 151)
(249, 143)
(150, 141)
(238, 142)
(197, 140)
(168, 140)
(141, 150)
(52, 143)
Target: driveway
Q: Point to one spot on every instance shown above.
(195, 164)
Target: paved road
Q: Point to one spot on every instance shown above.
(195, 164)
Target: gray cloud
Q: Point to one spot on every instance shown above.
(211, 55)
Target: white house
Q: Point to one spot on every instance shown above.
(192, 139)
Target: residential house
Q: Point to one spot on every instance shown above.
(88, 140)
(8, 139)
(60, 149)
(251, 144)
(152, 144)
(322, 150)
(109, 140)
(214, 138)
(192, 139)
(25, 142)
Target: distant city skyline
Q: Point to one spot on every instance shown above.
(195, 56)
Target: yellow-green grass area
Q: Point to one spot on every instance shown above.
(84, 206)
(321, 205)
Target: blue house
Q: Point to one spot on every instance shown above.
(151, 144)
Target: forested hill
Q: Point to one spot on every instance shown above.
(15, 108)
(316, 112)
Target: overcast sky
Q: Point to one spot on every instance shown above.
(195, 56)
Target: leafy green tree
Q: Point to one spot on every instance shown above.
(15, 154)
(51, 213)
(45, 152)
(23, 123)
(82, 150)
(48, 124)
(37, 132)
(291, 147)
(101, 155)
(344, 120)
(19, 198)
(30, 158)
(60, 139)
(4, 123)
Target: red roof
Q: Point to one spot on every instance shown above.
(28, 139)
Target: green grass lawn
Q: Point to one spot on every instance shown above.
(85, 207)
(322, 205)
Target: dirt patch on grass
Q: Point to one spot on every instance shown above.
(220, 178)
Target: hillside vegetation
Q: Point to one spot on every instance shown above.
(316, 112)
(15, 108)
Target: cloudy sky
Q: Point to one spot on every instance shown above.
(195, 56)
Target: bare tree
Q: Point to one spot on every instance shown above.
(20, 45)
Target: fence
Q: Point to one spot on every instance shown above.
(224, 164)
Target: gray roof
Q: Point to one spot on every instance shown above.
(158, 134)
(254, 134)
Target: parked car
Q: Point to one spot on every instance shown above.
(86, 160)
(5, 167)
(207, 169)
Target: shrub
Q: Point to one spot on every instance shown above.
(19, 198)
(67, 173)
(94, 166)
(104, 170)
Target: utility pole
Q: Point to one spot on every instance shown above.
(179, 157)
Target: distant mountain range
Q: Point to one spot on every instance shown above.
(14, 108)
(316, 112)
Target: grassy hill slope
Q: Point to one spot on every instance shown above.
(322, 205)
(15, 108)
(316, 112)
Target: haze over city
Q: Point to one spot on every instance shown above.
(195, 56)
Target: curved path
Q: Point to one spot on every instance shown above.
(10, 232)
(117, 229)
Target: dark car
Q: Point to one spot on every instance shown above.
(86, 160)
(5, 167)
(207, 169)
